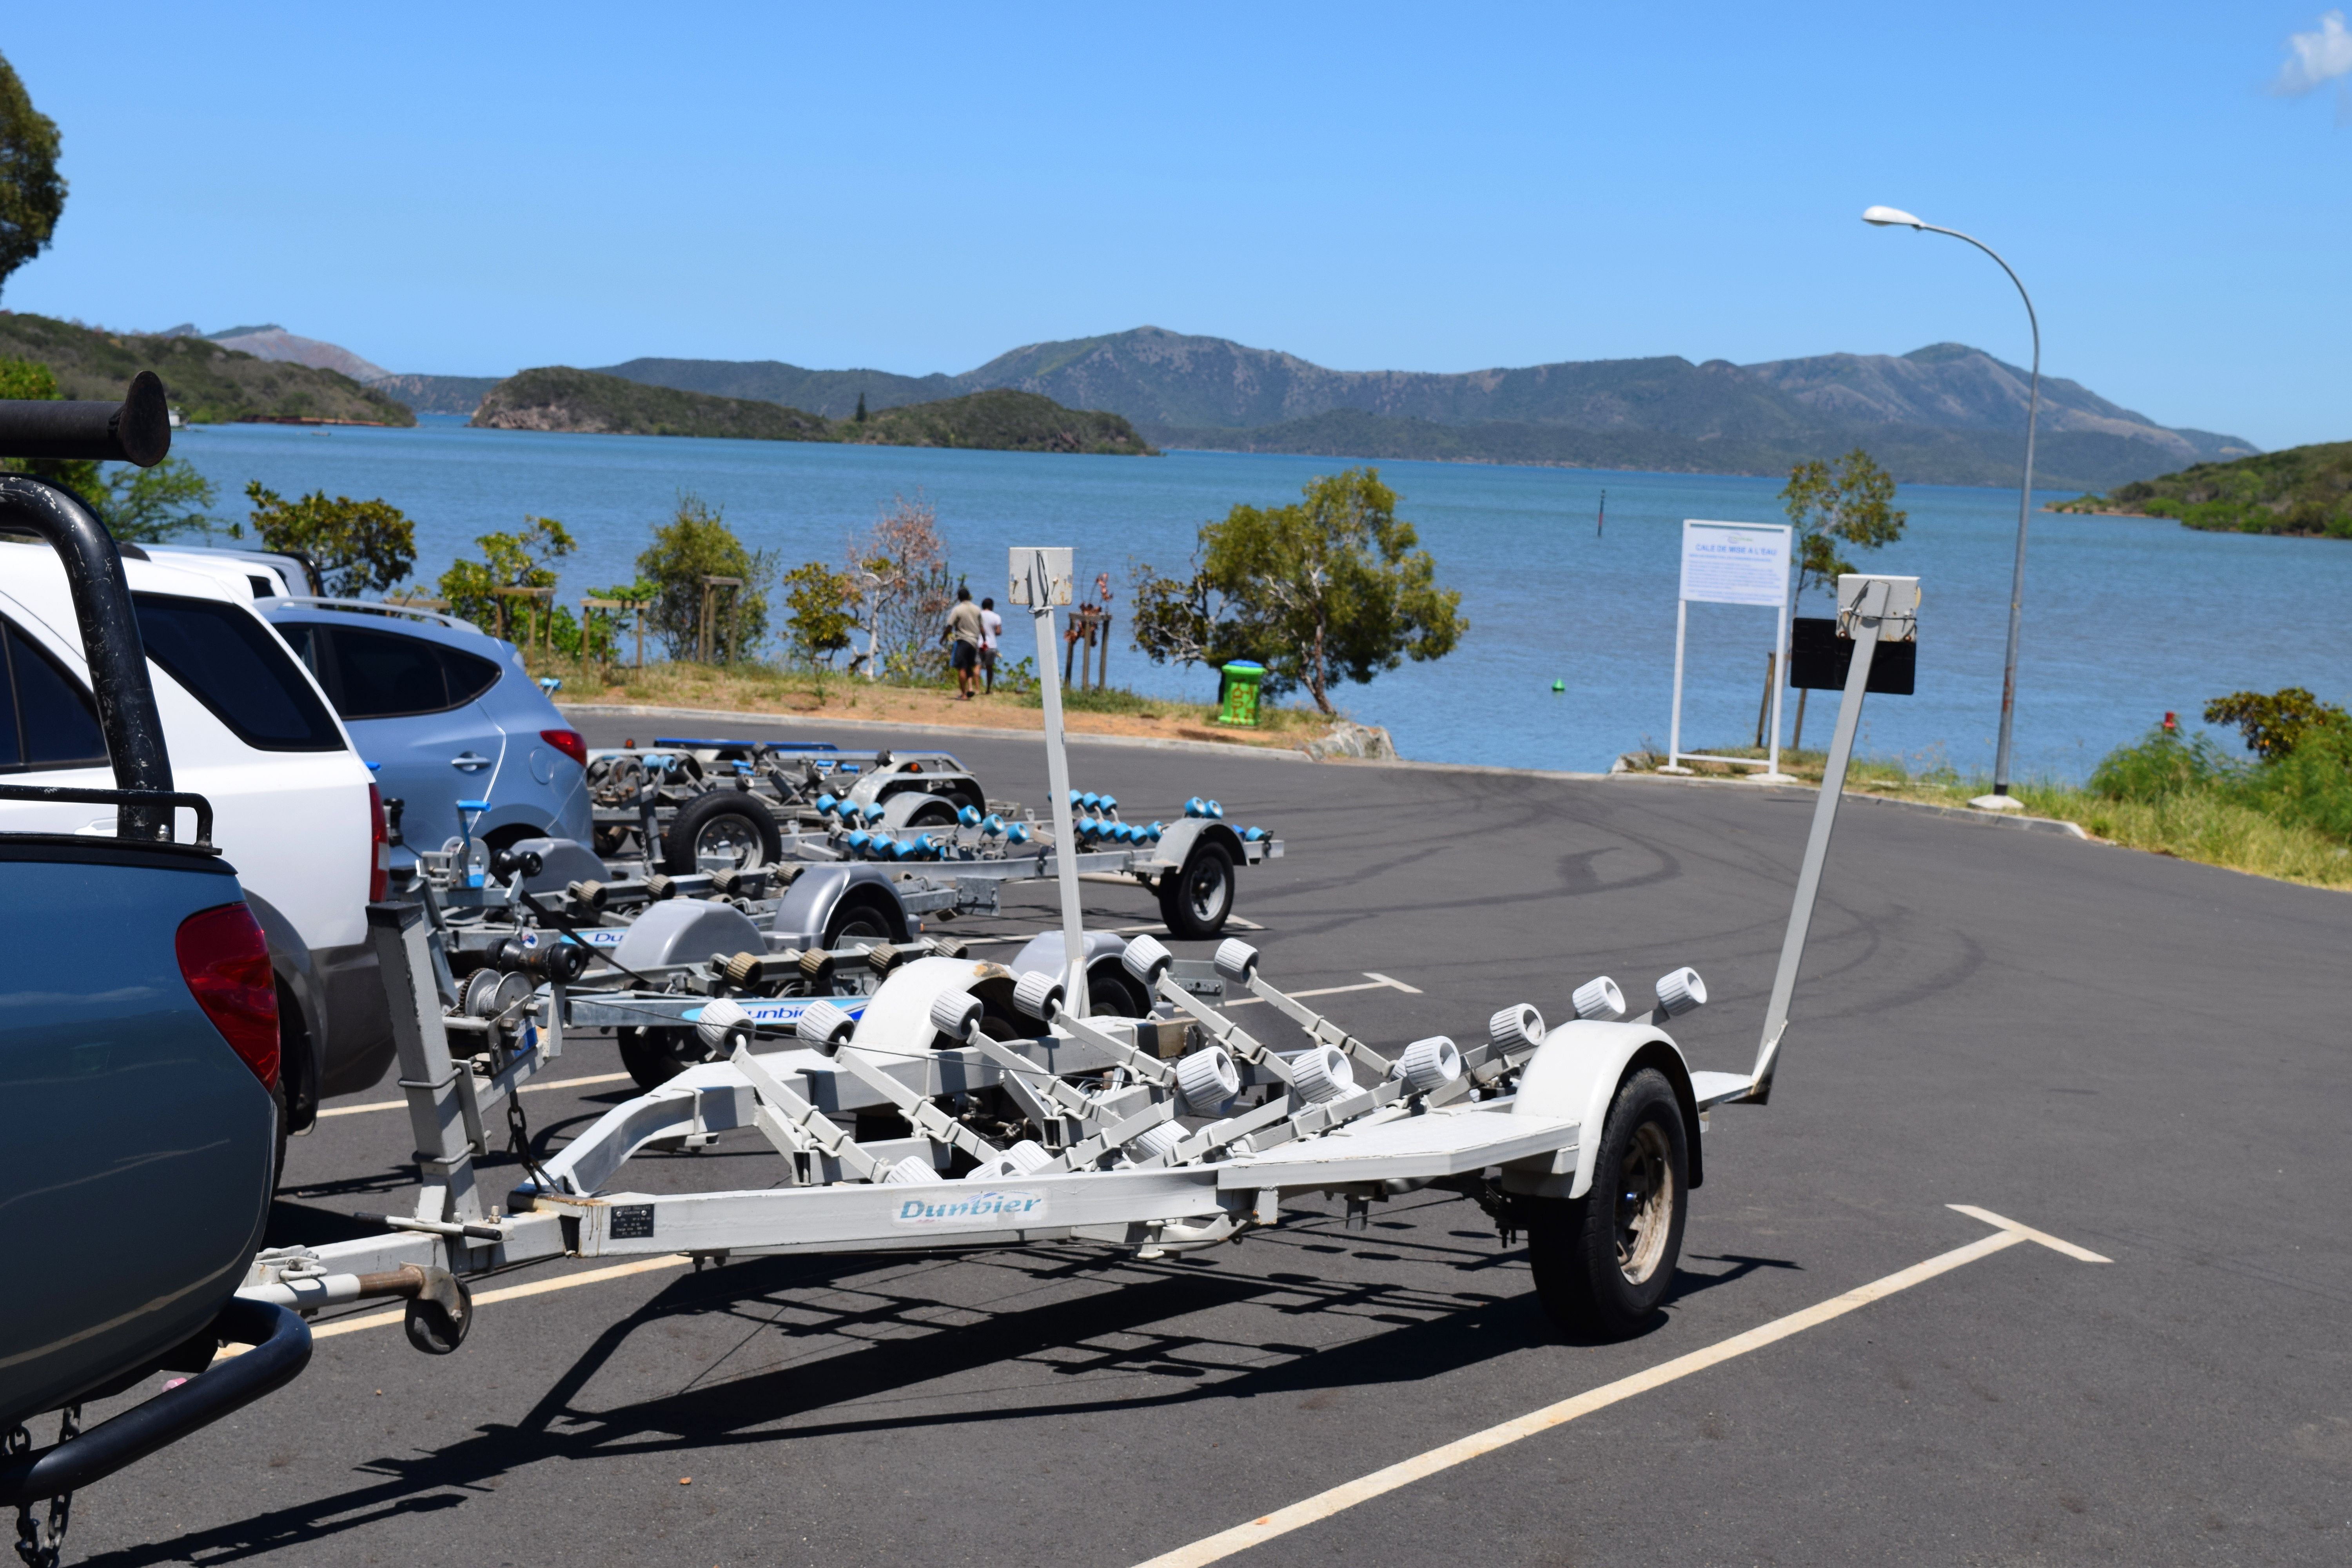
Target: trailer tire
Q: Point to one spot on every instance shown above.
(1603, 1262)
(654, 1056)
(1112, 993)
(934, 813)
(721, 824)
(867, 912)
(1194, 901)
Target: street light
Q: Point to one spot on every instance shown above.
(1895, 217)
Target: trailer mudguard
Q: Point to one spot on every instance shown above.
(896, 1022)
(562, 862)
(1176, 842)
(686, 931)
(807, 906)
(1574, 1075)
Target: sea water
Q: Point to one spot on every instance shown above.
(2125, 619)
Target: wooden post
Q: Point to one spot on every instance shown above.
(1102, 662)
(734, 605)
(1764, 709)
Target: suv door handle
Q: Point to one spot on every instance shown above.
(469, 761)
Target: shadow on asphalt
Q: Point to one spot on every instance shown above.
(1434, 1334)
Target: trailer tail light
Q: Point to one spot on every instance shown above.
(379, 848)
(569, 742)
(226, 961)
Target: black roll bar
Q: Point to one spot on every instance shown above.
(281, 1348)
(137, 430)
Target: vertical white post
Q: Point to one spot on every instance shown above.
(1674, 726)
(1058, 778)
(1780, 684)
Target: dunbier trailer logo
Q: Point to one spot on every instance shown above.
(988, 1208)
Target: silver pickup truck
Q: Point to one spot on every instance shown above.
(138, 1035)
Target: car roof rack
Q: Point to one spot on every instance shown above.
(379, 607)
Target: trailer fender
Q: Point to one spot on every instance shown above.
(807, 906)
(1575, 1074)
(686, 930)
(896, 1022)
(1175, 846)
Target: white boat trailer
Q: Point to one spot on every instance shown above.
(1069, 1127)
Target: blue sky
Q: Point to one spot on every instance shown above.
(475, 189)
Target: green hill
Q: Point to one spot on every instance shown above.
(207, 384)
(997, 421)
(2302, 490)
(559, 398)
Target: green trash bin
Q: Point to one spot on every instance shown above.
(1237, 704)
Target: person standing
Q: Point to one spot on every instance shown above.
(992, 628)
(962, 634)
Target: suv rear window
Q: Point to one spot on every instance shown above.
(47, 719)
(384, 675)
(236, 667)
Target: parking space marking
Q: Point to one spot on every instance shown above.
(1377, 983)
(1154, 929)
(2008, 1233)
(508, 1293)
(527, 1089)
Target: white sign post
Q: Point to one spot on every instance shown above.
(1733, 563)
(1041, 579)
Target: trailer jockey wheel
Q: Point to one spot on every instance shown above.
(1602, 1262)
(439, 1314)
(1195, 900)
(654, 1056)
(723, 830)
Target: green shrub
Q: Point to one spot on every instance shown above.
(2164, 763)
(2311, 784)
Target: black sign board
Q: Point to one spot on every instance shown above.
(1819, 659)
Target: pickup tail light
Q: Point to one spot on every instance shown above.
(569, 742)
(226, 961)
(379, 848)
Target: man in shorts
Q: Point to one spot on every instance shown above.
(992, 628)
(962, 634)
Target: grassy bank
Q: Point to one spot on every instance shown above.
(800, 693)
(2208, 811)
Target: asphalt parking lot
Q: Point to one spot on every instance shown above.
(2144, 1058)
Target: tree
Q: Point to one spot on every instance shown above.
(509, 561)
(860, 416)
(694, 544)
(823, 605)
(32, 191)
(148, 506)
(2273, 722)
(1327, 588)
(904, 553)
(1851, 504)
(360, 547)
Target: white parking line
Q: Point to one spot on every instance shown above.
(527, 1089)
(1323, 1505)
(1377, 983)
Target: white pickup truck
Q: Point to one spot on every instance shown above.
(248, 729)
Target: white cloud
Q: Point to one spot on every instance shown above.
(2317, 57)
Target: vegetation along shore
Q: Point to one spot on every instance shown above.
(2304, 491)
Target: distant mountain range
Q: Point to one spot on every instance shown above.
(1947, 414)
(272, 342)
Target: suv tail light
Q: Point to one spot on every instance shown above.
(380, 847)
(569, 742)
(226, 962)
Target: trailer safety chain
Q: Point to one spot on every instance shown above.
(40, 1544)
(519, 1145)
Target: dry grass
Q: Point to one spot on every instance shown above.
(2200, 826)
(764, 688)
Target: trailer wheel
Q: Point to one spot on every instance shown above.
(654, 1056)
(866, 913)
(721, 830)
(1195, 900)
(1602, 1262)
(933, 812)
(1112, 993)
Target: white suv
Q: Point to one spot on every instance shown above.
(248, 729)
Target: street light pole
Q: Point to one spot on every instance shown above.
(1887, 217)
